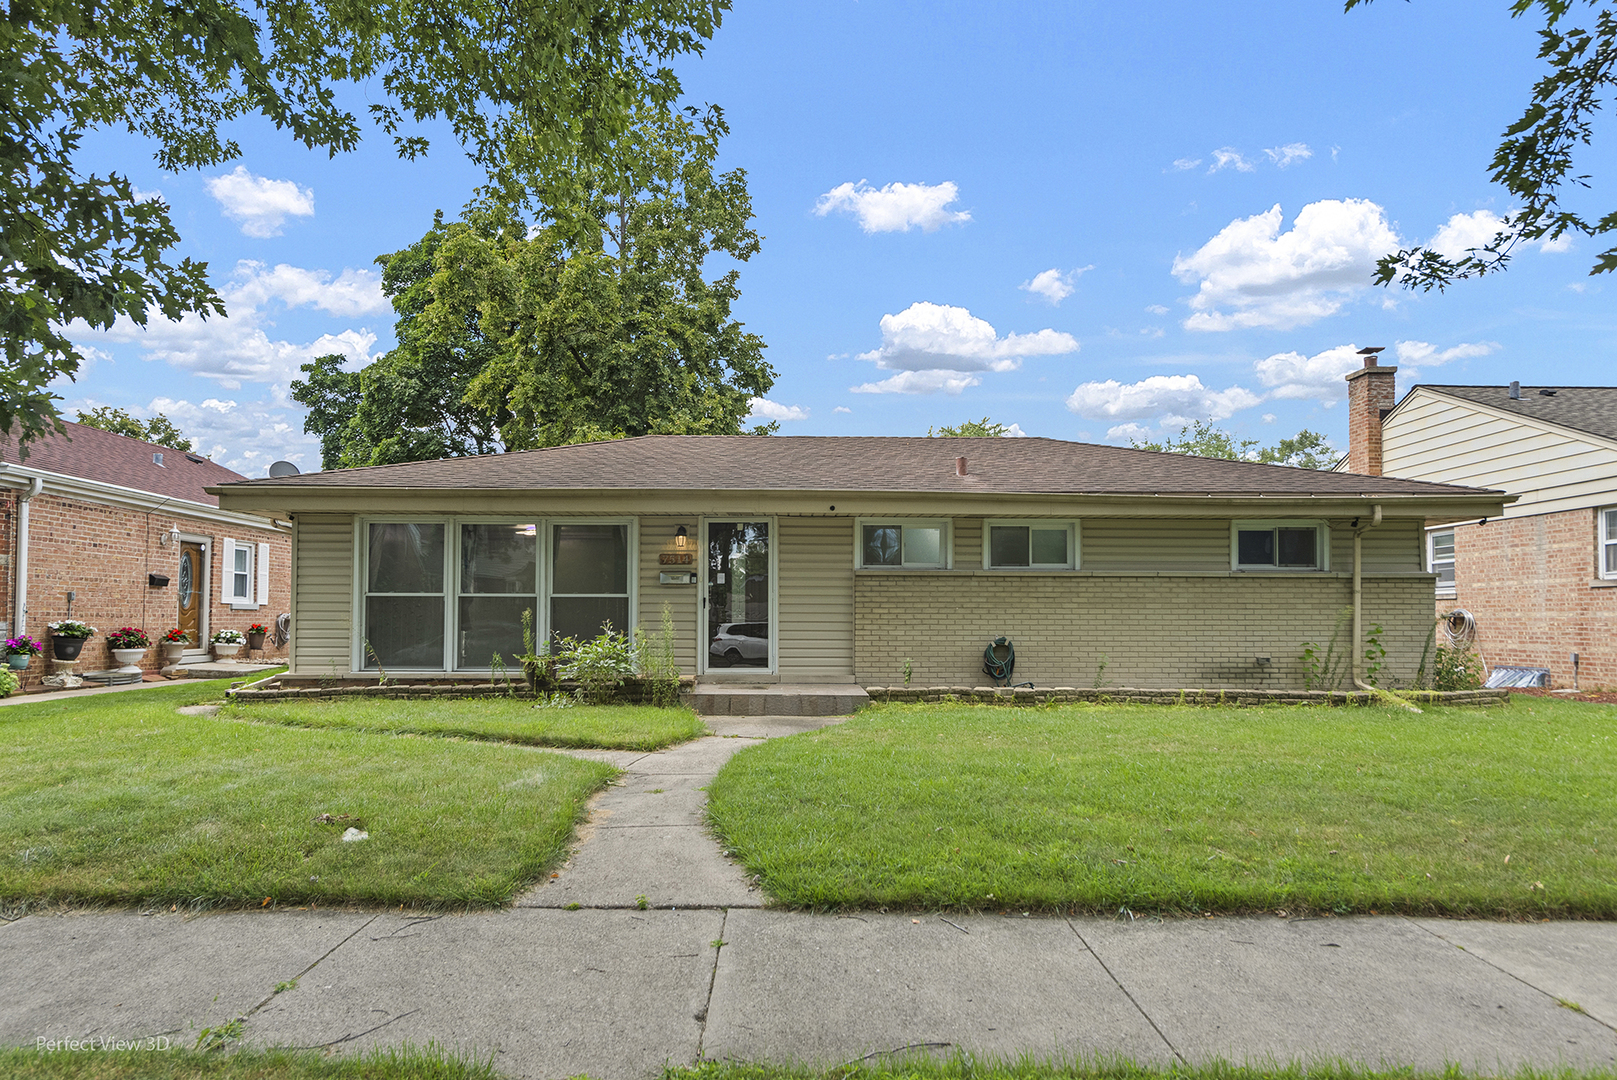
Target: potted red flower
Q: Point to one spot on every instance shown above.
(174, 643)
(255, 636)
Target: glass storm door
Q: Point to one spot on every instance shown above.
(737, 601)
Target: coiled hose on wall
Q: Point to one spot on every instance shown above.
(1460, 627)
(999, 661)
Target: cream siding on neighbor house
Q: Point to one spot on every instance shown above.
(815, 599)
(657, 537)
(1434, 437)
(322, 595)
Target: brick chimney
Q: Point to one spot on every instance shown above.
(1371, 395)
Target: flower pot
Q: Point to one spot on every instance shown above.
(173, 651)
(255, 641)
(221, 651)
(128, 659)
(18, 660)
(66, 648)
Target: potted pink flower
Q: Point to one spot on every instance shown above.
(128, 645)
(20, 650)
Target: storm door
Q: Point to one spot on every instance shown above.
(738, 608)
(193, 589)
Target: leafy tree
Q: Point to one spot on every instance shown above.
(159, 429)
(526, 93)
(1305, 450)
(1535, 159)
(971, 429)
(598, 323)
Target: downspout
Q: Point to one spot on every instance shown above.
(1358, 614)
(36, 484)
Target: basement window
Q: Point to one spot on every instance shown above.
(1279, 545)
(1440, 560)
(902, 545)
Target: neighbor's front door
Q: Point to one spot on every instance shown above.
(191, 588)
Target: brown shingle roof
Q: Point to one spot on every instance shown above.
(830, 463)
(1581, 408)
(92, 454)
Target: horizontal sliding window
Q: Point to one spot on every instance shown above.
(1280, 545)
(1030, 545)
(912, 545)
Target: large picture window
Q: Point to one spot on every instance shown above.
(1279, 545)
(452, 593)
(1030, 545)
(907, 545)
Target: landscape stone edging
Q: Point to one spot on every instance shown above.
(1006, 695)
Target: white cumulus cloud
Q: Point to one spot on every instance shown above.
(1463, 231)
(241, 435)
(1185, 164)
(842, 409)
(1054, 285)
(1131, 431)
(261, 205)
(1253, 274)
(1289, 154)
(1169, 398)
(919, 382)
(1425, 354)
(353, 292)
(896, 207)
(937, 347)
(764, 409)
(1227, 157)
(1321, 377)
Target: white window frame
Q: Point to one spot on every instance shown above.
(1606, 519)
(451, 593)
(945, 541)
(1322, 545)
(257, 594)
(1447, 592)
(1073, 557)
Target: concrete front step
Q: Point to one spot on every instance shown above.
(781, 699)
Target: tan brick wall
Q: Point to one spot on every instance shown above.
(1527, 581)
(103, 554)
(1156, 631)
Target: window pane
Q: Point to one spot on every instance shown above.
(1442, 546)
(498, 558)
(405, 631)
(1297, 547)
(1611, 525)
(1445, 575)
(1050, 547)
(881, 544)
(1007, 545)
(490, 624)
(406, 558)
(240, 555)
(591, 559)
(240, 585)
(583, 616)
(1255, 547)
(923, 545)
(1611, 559)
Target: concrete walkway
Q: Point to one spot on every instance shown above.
(614, 991)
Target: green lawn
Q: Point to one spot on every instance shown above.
(500, 719)
(407, 1063)
(1501, 811)
(118, 799)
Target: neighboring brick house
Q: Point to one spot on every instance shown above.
(1541, 579)
(128, 528)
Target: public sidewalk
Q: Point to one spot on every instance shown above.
(614, 991)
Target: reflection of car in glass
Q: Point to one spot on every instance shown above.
(739, 643)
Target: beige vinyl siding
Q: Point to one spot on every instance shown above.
(1437, 438)
(1392, 547)
(323, 595)
(1154, 544)
(815, 599)
(968, 543)
(656, 537)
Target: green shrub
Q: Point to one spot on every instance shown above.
(1456, 669)
(654, 656)
(599, 666)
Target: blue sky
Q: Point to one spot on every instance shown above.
(1093, 221)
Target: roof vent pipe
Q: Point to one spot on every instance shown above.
(960, 466)
(1515, 390)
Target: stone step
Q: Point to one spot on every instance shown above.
(783, 699)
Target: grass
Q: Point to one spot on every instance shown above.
(1496, 812)
(118, 799)
(499, 719)
(966, 1067)
(403, 1063)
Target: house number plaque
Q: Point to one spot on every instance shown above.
(677, 558)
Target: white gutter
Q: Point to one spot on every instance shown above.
(35, 486)
(133, 498)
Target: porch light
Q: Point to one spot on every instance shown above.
(679, 536)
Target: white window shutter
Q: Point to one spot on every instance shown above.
(262, 595)
(227, 576)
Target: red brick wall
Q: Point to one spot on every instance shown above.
(1527, 582)
(103, 554)
(1370, 391)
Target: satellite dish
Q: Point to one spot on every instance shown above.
(281, 469)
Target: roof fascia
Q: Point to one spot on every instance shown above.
(128, 498)
(1505, 414)
(692, 502)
